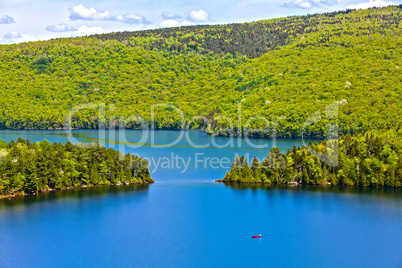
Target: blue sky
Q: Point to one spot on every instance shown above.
(27, 20)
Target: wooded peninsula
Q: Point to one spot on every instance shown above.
(355, 160)
(29, 168)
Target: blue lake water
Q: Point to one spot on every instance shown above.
(185, 219)
(167, 150)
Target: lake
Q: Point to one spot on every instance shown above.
(185, 219)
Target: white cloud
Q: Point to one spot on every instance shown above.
(6, 20)
(372, 3)
(60, 28)
(79, 12)
(169, 16)
(131, 19)
(85, 30)
(170, 23)
(328, 2)
(17, 37)
(187, 23)
(194, 17)
(198, 15)
(175, 23)
(303, 4)
(13, 35)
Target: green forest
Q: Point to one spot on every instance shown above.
(368, 159)
(279, 71)
(27, 168)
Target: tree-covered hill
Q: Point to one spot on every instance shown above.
(249, 39)
(290, 67)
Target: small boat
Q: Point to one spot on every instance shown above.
(256, 236)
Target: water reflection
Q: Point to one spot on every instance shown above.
(390, 193)
(74, 194)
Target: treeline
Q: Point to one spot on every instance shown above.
(27, 168)
(245, 39)
(240, 39)
(351, 59)
(358, 160)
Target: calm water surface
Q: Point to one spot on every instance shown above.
(186, 220)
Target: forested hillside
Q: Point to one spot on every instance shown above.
(249, 39)
(290, 67)
(27, 167)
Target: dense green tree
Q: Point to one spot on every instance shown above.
(378, 163)
(31, 168)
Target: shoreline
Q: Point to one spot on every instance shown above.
(295, 184)
(178, 130)
(70, 188)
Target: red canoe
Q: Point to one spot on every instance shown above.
(256, 236)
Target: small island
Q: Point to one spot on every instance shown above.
(367, 160)
(28, 168)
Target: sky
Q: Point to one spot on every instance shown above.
(27, 20)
